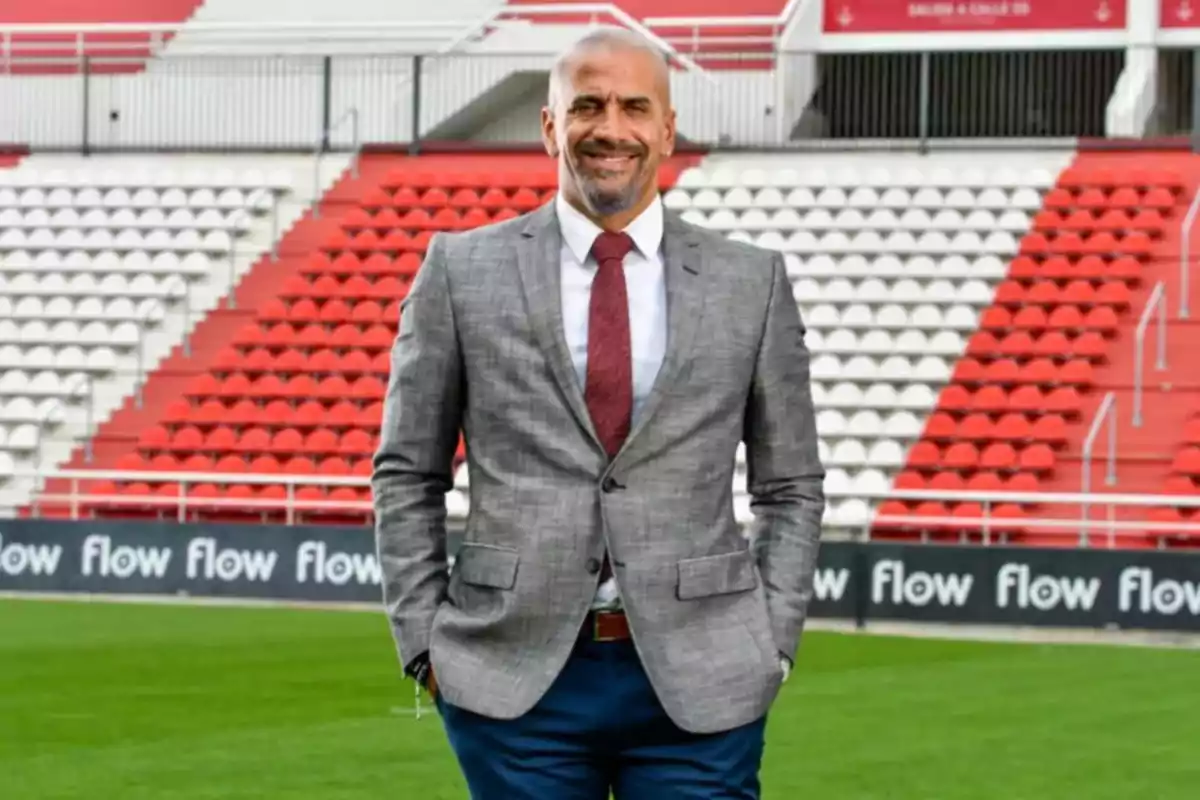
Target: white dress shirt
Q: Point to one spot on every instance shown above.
(647, 292)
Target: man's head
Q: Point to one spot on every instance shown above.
(609, 122)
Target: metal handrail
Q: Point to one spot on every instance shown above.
(695, 37)
(1157, 301)
(1117, 499)
(267, 31)
(1107, 411)
(748, 21)
(994, 528)
(1185, 247)
(264, 26)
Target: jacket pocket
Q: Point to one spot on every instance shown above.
(487, 565)
(727, 573)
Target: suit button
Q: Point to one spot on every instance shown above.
(593, 566)
(610, 485)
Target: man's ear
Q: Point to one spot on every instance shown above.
(668, 142)
(549, 137)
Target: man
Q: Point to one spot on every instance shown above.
(606, 625)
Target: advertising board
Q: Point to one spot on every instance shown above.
(1097, 588)
(932, 16)
(1179, 14)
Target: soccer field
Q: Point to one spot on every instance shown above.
(144, 702)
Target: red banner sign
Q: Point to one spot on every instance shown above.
(931, 16)
(1180, 14)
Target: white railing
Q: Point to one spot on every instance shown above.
(994, 524)
(118, 38)
(1185, 257)
(1106, 413)
(700, 32)
(1156, 303)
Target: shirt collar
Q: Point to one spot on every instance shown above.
(580, 233)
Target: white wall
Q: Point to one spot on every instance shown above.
(520, 123)
(1131, 106)
(798, 66)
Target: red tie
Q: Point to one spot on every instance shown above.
(609, 389)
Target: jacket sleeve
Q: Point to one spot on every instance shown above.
(414, 464)
(785, 477)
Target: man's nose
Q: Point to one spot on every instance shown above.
(613, 124)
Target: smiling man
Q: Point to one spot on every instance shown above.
(607, 625)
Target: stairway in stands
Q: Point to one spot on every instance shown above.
(290, 379)
(1058, 337)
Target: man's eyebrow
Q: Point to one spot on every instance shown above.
(587, 97)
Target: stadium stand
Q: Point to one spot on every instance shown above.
(964, 322)
(104, 266)
(1055, 337)
(969, 311)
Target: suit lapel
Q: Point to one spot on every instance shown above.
(539, 262)
(682, 270)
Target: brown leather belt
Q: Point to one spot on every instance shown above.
(607, 626)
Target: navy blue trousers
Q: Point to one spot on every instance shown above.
(601, 729)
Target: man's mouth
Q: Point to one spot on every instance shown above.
(609, 160)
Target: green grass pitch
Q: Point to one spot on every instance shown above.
(145, 702)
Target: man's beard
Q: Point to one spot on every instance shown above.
(607, 202)
(604, 201)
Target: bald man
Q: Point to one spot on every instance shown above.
(607, 625)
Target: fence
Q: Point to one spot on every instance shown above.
(253, 98)
(986, 517)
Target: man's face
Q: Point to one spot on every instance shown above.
(609, 128)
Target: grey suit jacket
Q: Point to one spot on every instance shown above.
(481, 347)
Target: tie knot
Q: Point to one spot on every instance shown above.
(611, 246)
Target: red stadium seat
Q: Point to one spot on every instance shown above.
(254, 440)
(974, 427)
(1013, 427)
(321, 441)
(940, 427)
(287, 441)
(985, 481)
(220, 439)
(998, 457)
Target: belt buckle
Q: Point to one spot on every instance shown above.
(596, 635)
